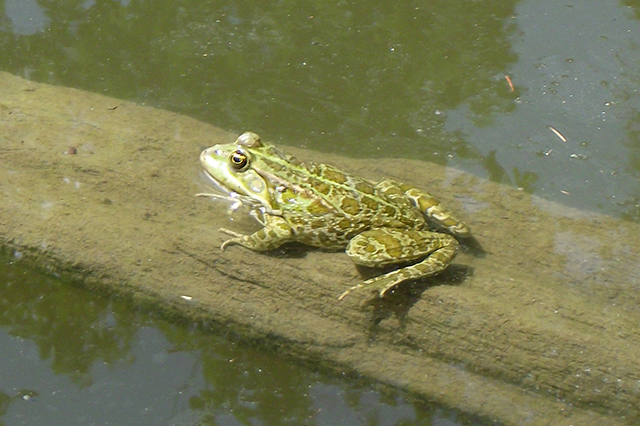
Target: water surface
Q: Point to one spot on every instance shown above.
(423, 80)
(73, 358)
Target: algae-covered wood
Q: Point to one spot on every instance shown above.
(541, 328)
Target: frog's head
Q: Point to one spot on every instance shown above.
(231, 167)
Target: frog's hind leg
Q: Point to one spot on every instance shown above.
(430, 206)
(381, 247)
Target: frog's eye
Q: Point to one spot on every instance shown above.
(239, 160)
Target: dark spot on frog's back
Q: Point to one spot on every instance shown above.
(333, 175)
(344, 224)
(317, 208)
(364, 187)
(350, 206)
(320, 186)
(370, 203)
(389, 210)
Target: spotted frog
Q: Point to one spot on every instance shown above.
(382, 224)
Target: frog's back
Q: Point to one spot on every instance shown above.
(319, 199)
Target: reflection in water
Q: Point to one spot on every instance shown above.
(373, 78)
(70, 357)
(360, 77)
(25, 17)
(565, 138)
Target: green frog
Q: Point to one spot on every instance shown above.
(389, 223)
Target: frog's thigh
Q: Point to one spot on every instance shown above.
(432, 208)
(275, 233)
(437, 250)
(427, 204)
(381, 247)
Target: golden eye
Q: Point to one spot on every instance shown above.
(239, 160)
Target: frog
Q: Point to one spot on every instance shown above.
(387, 224)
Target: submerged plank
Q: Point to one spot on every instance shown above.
(541, 329)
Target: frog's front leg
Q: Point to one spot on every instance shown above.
(381, 247)
(276, 232)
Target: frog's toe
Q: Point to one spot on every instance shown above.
(378, 285)
(343, 295)
(236, 240)
(382, 284)
(232, 233)
(227, 243)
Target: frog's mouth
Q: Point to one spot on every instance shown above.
(221, 192)
(215, 183)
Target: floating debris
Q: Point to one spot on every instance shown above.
(510, 83)
(558, 134)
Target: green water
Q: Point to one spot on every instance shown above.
(373, 78)
(415, 79)
(72, 358)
